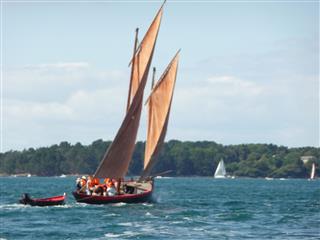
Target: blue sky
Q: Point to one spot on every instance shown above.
(249, 70)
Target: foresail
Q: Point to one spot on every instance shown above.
(116, 160)
(159, 104)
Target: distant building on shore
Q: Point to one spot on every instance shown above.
(306, 159)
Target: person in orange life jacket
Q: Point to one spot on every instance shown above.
(95, 181)
(97, 188)
(106, 181)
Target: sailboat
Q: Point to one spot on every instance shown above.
(115, 162)
(313, 172)
(221, 170)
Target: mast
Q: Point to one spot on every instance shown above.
(159, 105)
(132, 68)
(153, 77)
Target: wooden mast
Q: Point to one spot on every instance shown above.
(153, 77)
(129, 93)
(132, 68)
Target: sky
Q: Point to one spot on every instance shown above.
(248, 71)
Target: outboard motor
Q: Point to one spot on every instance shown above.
(25, 199)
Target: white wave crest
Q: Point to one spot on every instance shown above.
(147, 204)
(64, 206)
(126, 224)
(119, 204)
(111, 215)
(13, 206)
(121, 235)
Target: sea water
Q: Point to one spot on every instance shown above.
(183, 208)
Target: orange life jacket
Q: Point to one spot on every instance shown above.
(96, 181)
(90, 183)
(108, 182)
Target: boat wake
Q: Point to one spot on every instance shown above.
(64, 206)
(148, 204)
(120, 204)
(13, 206)
(78, 204)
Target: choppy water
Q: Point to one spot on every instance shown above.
(184, 208)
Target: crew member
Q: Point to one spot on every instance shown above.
(90, 185)
(78, 183)
(111, 190)
(83, 184)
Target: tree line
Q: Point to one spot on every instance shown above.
(183, 158)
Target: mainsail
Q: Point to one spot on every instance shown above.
(159, 104)
(221, 170)
(116, 160)
(143, 55)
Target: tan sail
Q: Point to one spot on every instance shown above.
(159, 104)
(116, 160)
(143, 53)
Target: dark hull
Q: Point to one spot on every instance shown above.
(42, 202)
(144, 195)
(125, 198)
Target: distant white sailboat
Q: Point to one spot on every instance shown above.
(313, 171)
(221, 170)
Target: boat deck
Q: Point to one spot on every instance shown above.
(140, 186)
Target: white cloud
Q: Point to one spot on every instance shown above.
(78, 103)
(232, 86)
(233, 110)
(217, 99)
(23, 111)
(62, 66)
(56, 82)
